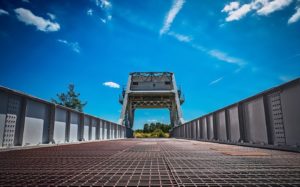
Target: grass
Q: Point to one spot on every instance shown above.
(155, 134)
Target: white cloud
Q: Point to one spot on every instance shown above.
(27, 17)
(216, 81)
(295, 17)
(3, 12)
(226, 58)
(52, 16)
(73, 45)
(180, 37)
(177, 5)
(103, 3)
(89, 12)
(222, 56)
(111, 84)
(261, 7)
(231, 6)
(273, 6)
(238, 13)
(106, 7)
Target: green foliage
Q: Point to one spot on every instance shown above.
(139, 131)
(146, 128)
(158, 133)
(70, 99)
(153, 126)
(154, 130)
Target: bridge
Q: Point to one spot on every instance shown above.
(151, 90)
(254, 142)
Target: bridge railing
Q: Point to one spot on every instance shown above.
(268, 119)
(27, 120)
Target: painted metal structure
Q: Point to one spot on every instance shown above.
(269, 119)
(151, 90)
(27, 120)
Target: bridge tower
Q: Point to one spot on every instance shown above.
(151, 90)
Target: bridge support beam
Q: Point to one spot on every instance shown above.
(151, 90)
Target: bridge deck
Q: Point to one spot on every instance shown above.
(149, 162)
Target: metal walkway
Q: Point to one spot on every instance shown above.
(149, 162)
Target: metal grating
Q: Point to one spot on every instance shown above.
(10, 122)
(148, 162)
(277, 119)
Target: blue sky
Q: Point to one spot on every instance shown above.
(220, 51)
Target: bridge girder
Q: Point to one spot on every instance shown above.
(151, 90)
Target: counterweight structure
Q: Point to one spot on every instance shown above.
(151, 90)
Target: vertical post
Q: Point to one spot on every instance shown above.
(227, 123)
(51, 123)
(196, 129)
(121, 131)
(112, 132)
(215, 127)
(190, 126)
(98, 129)
(104, 131)
(241, 123)
(22, 121)
(268, 122)
(199, 131)
(124, 131)
(186, 131)
(68, 126)
(108, 130)
(81, 126)
(207, 128)
(191, 130)
(116, 131)
(90, 128)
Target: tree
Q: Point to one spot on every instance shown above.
(146, 128)
(152, 127)
(70, 99)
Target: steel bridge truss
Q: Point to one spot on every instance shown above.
(151, 90)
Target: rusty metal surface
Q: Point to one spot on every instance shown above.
(149, 162)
